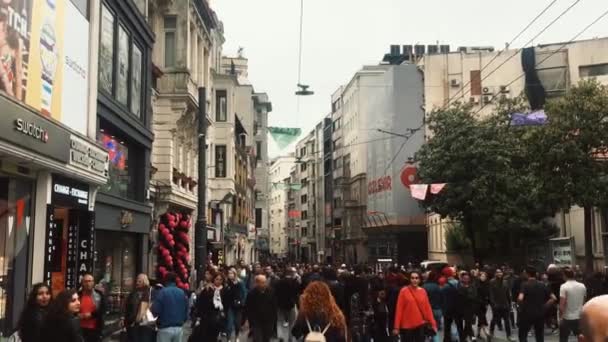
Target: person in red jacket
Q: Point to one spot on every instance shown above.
(413, 312)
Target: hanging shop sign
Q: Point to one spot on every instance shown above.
(88, 156)
(70, 193)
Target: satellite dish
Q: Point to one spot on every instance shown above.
(303, 91)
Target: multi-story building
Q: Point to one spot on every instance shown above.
(279, 171)
(263, 107)
(184, 59)
(326, 174)
(458, 76)
(234, 161)
(124, 127)
(293, 216)
(350, 106)
(53, 166)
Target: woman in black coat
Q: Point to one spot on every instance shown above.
(33, 316)
(62, 322)
(210, 309)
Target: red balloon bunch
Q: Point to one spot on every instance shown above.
(174, 247)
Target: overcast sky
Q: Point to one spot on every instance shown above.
(340, 36)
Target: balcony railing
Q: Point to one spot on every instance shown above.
(203, 9)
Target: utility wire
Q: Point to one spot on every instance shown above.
(300, 44)
(407, 137)
(508, 44)
(529, 42)
(549, 56)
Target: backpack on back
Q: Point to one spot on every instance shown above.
(315, 336)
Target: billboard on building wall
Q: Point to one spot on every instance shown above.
(44, 58)
(395, 108)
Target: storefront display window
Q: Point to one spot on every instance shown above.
(136, 81)
(106, 50)
(123, 66)
(119, 182)
(16, 218)
(116, 266)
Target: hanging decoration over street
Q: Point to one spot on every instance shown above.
(419, 191)
(535, 118)
(284, 136)
(436, 188)
(174, 247)
(292, 186)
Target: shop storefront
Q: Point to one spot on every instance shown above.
(49, 174)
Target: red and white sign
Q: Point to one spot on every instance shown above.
(409, 176)
(382, 184)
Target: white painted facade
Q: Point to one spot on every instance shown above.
(278, 177)
(559, 67)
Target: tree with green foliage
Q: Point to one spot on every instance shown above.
(574, 149)
(492, 189)
(504, 181)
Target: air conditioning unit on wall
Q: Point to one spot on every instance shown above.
(454, 83)
(487, 90)
(474, 100)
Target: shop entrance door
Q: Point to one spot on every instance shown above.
(16, 218)
(70, 242)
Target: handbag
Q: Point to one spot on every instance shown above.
(144, 315)
(427, 327)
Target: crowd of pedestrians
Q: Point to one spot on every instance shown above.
(305, 302)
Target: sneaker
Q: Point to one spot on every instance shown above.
(511, 339)
(285, 324)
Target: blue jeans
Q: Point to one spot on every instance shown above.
(438, 315)
(172, 334)
(233, 322)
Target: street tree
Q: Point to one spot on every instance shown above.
(574, 152)
(492, 190)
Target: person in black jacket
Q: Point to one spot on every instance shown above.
(62, 322)
(337, 289)
(234, 301)
(500, 301)
(381, 327)
(483, 300)
(261, 311)
(210, 309)
(286, 291)
(33, 316)
(466, 307)
(139, 299)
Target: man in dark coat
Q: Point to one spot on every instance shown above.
(261, 311)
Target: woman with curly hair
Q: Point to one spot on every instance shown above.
(319, 312)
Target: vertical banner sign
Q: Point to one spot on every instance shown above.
(85, 251)
(70, 277)
(50, 248)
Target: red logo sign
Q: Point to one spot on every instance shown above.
(381, 184)
(408, 176)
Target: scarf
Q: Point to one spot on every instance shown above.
(217, 299)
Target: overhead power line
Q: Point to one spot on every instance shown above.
(509, 44)
(604, 14)
(516, 53)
